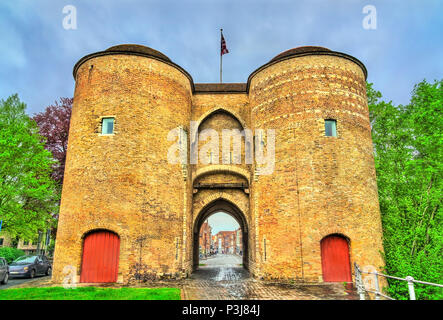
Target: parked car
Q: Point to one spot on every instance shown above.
(4, 271)
(30, 266)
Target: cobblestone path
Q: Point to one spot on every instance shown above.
(223, 278)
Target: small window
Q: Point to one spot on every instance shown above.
(1, 241)
(107, 125)
(25, 243)
(330, 128)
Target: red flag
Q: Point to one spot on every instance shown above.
(224, 49)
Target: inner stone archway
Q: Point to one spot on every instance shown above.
(225, 206)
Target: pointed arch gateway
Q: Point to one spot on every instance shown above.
(229, 120)
(216, 110)
(228, 207)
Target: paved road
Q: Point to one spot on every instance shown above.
(16, 281)
(221, 267)
(223, 277)
(222, 259)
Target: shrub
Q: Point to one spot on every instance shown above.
(10, 254)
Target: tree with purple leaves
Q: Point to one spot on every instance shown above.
(53, 124)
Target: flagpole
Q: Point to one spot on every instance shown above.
(221, 57)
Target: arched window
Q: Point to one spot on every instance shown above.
(212, 132)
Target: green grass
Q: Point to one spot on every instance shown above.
(202, 264)
(90, 293)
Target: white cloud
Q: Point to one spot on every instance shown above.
(221, 221)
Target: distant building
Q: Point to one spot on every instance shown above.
(28, 246)
(219, 245)
(5, 240)
(214, 243)
(239, 242)
(205, 239)
(226, 242)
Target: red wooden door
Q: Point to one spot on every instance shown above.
(335, 259)
(100, 257)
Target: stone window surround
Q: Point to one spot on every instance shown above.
(101, 122)
(336, 127)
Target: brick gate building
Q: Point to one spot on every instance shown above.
(126, 209)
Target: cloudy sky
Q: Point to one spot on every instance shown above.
(222, 222)
(37, 54)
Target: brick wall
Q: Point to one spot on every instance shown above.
(321, 185)
(123, 182)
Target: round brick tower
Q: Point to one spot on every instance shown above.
(324, 181)
(120, 181)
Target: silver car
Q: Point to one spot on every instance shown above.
(4, 271)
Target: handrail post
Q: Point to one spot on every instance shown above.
(377, 287)
(359, 282)
(411, 287)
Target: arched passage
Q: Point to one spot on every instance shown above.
(226, 206)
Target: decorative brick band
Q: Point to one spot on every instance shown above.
(307, 75)
(336, 93)
(308, 53)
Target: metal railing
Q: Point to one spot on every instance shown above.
(361, 289)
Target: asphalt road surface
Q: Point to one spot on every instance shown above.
(16, 281)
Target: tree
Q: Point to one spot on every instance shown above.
(28, 196)
(408, 151)
(53, 124)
